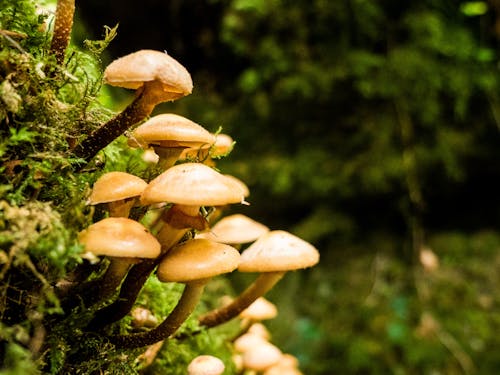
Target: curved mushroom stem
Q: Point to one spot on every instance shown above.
(168, 155)
(150, 95)
(65, 11)
(187, 303)
(114, 275)
(257, 289)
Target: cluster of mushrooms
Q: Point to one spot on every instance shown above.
(253, 351)
(179, 237)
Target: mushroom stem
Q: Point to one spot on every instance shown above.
(65, 11)
(185, 306)
(114, 275)
(120, 208)
(168, 156)
(257, 289)
(140, 108)
(129, 291)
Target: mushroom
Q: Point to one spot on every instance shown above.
(194, 263)
(65, 11)
(272, 255)
(124, 242)
(235, 229)
(188, 187)
(206, 365)
(117, 190)
(156, 76)
(247, 341)
(261, 357)
(169, 135)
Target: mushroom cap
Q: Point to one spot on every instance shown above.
(206, 365)
(119, 237)
(132, 70)
(260, 309)
(276, 251)
(259, 329)
(171, 130)
(192, 184)
(242, 185)
(261, 356)
(235, 229)
(197, 259)
(114, 186)
(248, 341)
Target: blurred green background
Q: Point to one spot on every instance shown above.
(370, 129)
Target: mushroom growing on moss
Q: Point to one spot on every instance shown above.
(272, 255)
(235, 229)
(169, 135)
(124, 242)
(118, 190)
(205, 365)
(156, 76)
(194, 263)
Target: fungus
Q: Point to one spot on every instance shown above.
(65, 11)
(247, 341)
(124, 242)
(169, 135)
(117, 189)
(156, 76)
(194, 263)
(234, 230)
(272, 255)
(188, 187)
(261, 357)
(206, 365)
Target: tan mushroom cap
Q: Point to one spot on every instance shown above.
(260, 309)
(133, 70)
(262, 356)
(171, 130)
(276, 251)
(248, 341)
(192, 184)
(197, 259)
(114, 186)
(241, 184)
(235, 229)
(206, 365)
(119, 237)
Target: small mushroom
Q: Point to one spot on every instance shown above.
(272, 255)
(194, 263)
(261, 357)
(118, 190)
(169, 135)
(206, 365)
(124, 242)
(156, 76)
(235, 229)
